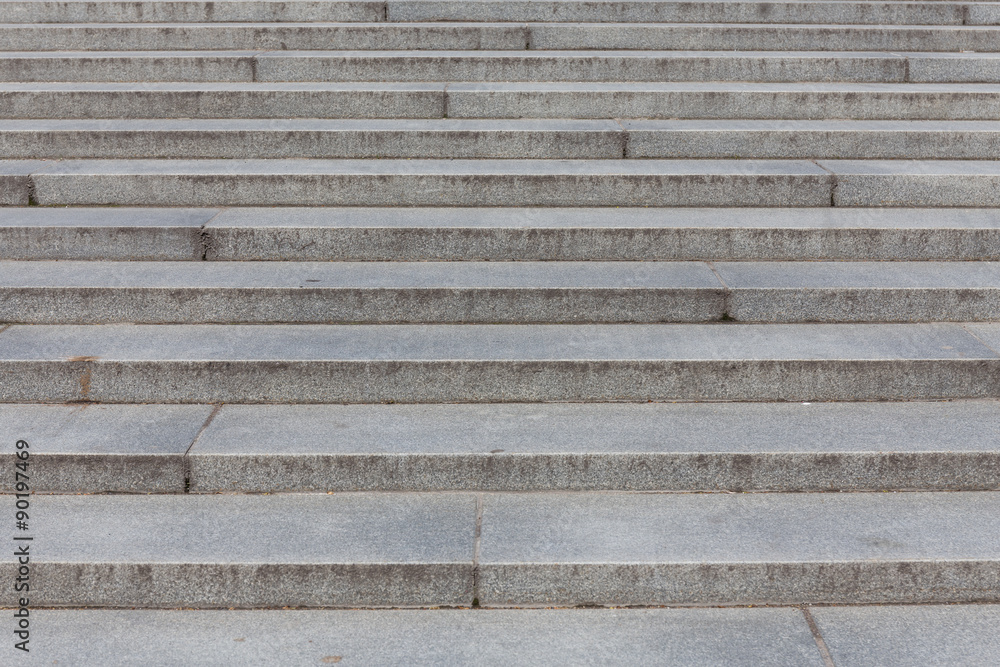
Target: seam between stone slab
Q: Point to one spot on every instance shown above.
(980, 340)
(727, 293)
(205, 237)
(186, 457)
(476, 549)
(824, 652)
(833, 183)
(626, 134)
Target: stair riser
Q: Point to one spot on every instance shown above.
(414, 103)
(808, 144)
(602, 66)
(899, 104)
(300, 67)
(611, 189)
(493, 381)
(235, 473)
(593, 472)
(873, 582)
(319, 144)
(639, 244)
(222, 67)
(196, 585)
(345, 306)
(501, 144)
(762, 38)
(70, 305)
(380, 244)
(426, 102)
(877, 13)
(454, 190)
(196, 11)
(505, 36)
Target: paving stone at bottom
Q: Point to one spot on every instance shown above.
(629, 549)
(688, 637)
(902, 636)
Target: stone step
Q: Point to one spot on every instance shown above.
(784, 139)
(429, 234)
(946, 12)
(552, 549)
(929, 446)
(74, 292)
(393, 292)
(620, 66)
(680, 100)
(194, 11)
(794, 183)
(537, 66)
(223, 100)
(761, 37)
(281, 363)
(503, 138)
(595, 100)
(878, 13)
(435, 182)
(695, 637)
(370, 138)
(510, 36)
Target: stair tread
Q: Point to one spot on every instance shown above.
(699, 637)
(428, 343)
(498, 275)
(694, 637)
(615, 548)
(930, 446)
(514, 429)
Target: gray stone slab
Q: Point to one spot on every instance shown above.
(915, 183)
(969, 67)
(911, 635)
(307, 35)
(649, 446)
(618, 549)
(91, 292)
(784, 139)
(986, 14)
(312, 138)
(600, 233)
(492, 363)
(108, 234)
(988, 334)
(15, 181)
(304, 550)
(433, 183)
(99, 448)
(861, 291)
(221, 100)
(734, 37)
(688, 637)
(127, 66)
(196, 11)
(739, 101)
(909, 13)
(579, 66)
